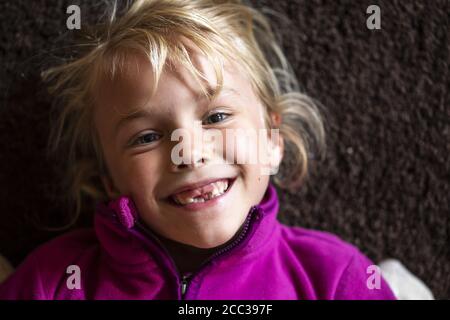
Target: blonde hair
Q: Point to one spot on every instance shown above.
(219, 29)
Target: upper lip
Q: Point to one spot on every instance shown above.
(196, 185)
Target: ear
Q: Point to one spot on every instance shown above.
(276, 148)
(110, 189)
(275, 118)
(275, 143)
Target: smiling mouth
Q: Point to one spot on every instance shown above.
(202, 194)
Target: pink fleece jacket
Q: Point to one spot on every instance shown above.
(121, 259)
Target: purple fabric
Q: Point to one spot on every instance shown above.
(119, 260)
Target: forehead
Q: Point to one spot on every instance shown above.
(132, 87)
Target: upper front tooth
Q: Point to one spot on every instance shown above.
(222, 186)
(187, 200)
(180, 200)
(218, 186)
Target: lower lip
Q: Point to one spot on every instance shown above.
(195, 206)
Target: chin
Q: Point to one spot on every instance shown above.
(212, 242)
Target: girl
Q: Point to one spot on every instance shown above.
(176, 219)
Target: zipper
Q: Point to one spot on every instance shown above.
(184, 284)
(150, 233)
(184, 279)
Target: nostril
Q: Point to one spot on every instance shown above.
(201, 160)
(194, 164)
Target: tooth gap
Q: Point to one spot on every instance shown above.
(205, 197)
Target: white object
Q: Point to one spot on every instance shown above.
(404, 284)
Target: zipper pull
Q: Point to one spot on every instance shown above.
(184, 284)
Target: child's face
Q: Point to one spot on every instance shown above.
(145, 170)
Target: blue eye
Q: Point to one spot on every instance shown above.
(147, 138)
(216, 117)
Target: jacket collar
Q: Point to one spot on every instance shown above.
(116, 225)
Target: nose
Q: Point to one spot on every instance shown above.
(196, 160)
(188, 154)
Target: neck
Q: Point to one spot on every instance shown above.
(189, 258)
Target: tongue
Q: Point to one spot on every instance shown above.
(196, 192)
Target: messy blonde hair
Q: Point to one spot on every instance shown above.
(219, 29)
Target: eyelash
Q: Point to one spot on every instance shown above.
(216, 113)
(135, 142)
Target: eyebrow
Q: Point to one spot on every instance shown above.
(133, 116)
(145, 113)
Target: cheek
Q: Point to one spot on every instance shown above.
(245, 147)
(139, 173)
(236, 145)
